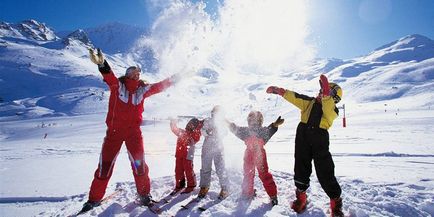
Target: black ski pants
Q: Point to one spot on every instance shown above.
(312, 143)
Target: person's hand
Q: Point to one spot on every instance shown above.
(227, 122)
(324, 85)
(276, 90)
(173, 120)
(278, 122)
(175, 78)
(97, 58)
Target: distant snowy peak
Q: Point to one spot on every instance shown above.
(78, 35)
(6, 30)
(410, 41)
(410, 48)
(327, 65)
(29, 29)
(115, 37)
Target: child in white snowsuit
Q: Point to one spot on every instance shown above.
(212, 149)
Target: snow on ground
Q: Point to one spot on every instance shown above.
(383, 159)
(52, 126)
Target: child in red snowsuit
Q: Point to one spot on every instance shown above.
(184, 154)
(255, 136)
(124, 117)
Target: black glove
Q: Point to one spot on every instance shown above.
(104, 68)
(278, 122)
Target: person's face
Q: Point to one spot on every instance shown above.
(135, 75)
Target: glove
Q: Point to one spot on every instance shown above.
(96, 58)
(324, 85)
(278, 122)
(276, 90)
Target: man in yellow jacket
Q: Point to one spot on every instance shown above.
(312, 142)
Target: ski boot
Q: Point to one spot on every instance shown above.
(274, 201)
(188, 189)
(176, 190)
(89, 205)
(145, 200)
(224, 193)
(336, 207)
(178, 187)
(202, 192)
(299, 205)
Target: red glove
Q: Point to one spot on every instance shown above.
(324, 85)
(276, 90)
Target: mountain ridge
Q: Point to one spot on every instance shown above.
(402, 68)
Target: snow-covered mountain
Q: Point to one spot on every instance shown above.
(78, 35)
(403, 68)
(115, 37)
(39, 72)
(53, 103)
(27, 29)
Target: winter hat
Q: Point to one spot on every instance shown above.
(255, 119)
(192, 124)
(131, 69)
(335, 92)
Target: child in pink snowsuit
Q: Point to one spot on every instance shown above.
(255, 136)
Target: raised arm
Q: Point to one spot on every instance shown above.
(109, 77)
(299, 100)
(240, 132)
(329, 110)
(269, 131)
(162, 85)
(175, 128)
(104, 68)
(158, 87)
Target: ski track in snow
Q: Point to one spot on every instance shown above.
(375, 182)
(360, 199)
(385, 154)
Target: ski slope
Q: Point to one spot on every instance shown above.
(384, 170)
(53, 104)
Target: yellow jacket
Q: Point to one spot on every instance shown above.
(305, 104)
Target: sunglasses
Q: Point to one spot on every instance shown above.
(333, 94)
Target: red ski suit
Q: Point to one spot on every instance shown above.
(123, 125)
(184, 154)
(255, 157)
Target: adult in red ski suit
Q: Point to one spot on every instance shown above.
(255, 136)
(127, 95)
(185, 153)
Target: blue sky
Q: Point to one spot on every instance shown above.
(339, 28)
